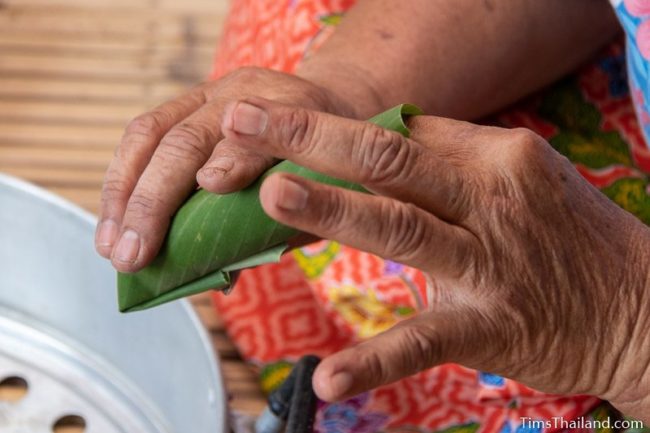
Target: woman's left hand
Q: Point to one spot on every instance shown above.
(538, 276)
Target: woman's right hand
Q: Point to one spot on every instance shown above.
(539, 276)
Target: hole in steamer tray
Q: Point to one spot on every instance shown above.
(69, 424)
(13, 389)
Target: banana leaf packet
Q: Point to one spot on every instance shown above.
(213, 235)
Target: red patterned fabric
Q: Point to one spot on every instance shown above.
(273, 34)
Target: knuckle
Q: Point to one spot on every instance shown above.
(246, 74)
(143, 130)
(148, 124)
(419, 348)
(200, 88)
(142, 205)
(526, 145)
(406, 233)
(528, 164)
(296, 129)
(185, 141)
(526, 139)
(382, 155)
(334, 218)
(114, 189)
(376, 369)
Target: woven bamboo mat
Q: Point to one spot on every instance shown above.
(73, 72)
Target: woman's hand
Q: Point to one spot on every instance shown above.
(156, 165)
(538, 276)
(369, 60)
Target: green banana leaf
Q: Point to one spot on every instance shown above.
(212, 235)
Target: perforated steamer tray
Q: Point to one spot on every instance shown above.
(60, 331)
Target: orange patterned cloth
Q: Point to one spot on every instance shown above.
(324, 297)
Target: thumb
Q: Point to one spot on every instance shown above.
(409, 347)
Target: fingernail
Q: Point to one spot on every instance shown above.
(107, 233)
(248, 119)
(341, 383)
(128, 247)
(291, 195)
(219, 167)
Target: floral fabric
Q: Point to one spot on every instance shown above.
(634, 16)
(324, 297)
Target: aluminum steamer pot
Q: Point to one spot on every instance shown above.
(61, 333)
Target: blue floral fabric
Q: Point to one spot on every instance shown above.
(634, 16)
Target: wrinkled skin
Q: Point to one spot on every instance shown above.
(538, 276)
(368, 65)
(166, 151)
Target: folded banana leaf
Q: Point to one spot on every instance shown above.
(213, 235)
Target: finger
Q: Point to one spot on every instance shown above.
(138, 143)
(409, 347)
(382, 160)
(231, 168)
(380, 225)
(163, 186)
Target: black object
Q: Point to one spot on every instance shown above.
(279, 400)
(292, 406)
(302, 409)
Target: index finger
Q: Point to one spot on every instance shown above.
(381, 160)
(138, 144)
